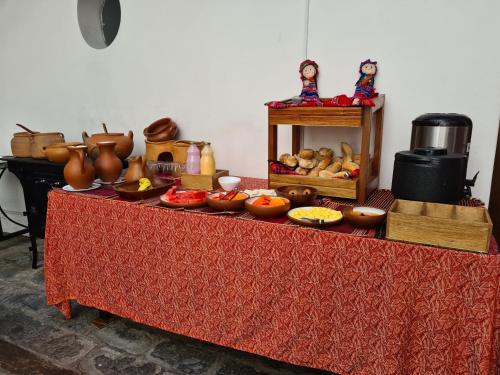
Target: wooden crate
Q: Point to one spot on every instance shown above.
(369, 119)
(443, 225)
(335, 187)
(200, 181)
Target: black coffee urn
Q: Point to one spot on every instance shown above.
(435, 167)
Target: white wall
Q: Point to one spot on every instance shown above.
(433, 56)
(210, 65)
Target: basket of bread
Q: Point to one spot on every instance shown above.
(332, 175)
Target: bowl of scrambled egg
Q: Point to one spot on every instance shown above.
(315, 216)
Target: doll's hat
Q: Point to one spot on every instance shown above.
(307, 62)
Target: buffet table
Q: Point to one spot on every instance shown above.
(339, 302)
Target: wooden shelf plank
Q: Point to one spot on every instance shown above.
(302, 120)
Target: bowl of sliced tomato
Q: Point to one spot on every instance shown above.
(267, 207)
(174, 198)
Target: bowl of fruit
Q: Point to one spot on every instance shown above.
(227, 201)
(143, 189)
(174, 198)
(267, 207)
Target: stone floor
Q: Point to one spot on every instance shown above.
(36, 339)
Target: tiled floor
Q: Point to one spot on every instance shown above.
(36, 339)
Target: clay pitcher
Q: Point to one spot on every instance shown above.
(135, 169)
(79, 172)
(107, 165)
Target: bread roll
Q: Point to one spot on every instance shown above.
(301, 171)
(335, 167)
(324, 163)
(349, 166)
(346, 151)
(325, 174)
(307, 163)
(288, 159)
(314, 172)
(325, 152)
(306, 153)
(328, 174)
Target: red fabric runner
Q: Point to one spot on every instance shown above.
(322, 299)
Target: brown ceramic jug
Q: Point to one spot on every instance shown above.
(107, 165)
(135, 169)
(79, 172)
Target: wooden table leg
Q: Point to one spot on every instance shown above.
(272, 150)
(365, 155)
(295, 139)
(377, 149)
(272, 146)
(103, 319)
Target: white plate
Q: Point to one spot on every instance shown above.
(119, 181)
(72, 189)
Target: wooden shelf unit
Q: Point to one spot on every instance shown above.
(369, 119)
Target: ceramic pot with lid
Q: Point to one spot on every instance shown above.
(124, 143)
(20, 144)
(79, 172)
(31, 143)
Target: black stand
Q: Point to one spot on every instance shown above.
(5, 236)
(37, 177)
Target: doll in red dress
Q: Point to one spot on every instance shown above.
(308, 74)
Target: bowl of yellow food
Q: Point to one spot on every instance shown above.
(315, 216)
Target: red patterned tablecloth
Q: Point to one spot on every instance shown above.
(333, 301)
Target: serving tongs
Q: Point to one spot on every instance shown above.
(229, 196)
(315, 221)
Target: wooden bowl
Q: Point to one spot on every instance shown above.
(266, 211)
(129, 191)
(364, 217)
(226, 205)
(298, 196)
(58, 152)
(167, 203)
(161, 130)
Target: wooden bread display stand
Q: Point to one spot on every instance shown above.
(369, 119)
(201, 181)
(443, 225)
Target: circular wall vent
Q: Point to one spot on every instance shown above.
(99, 21)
